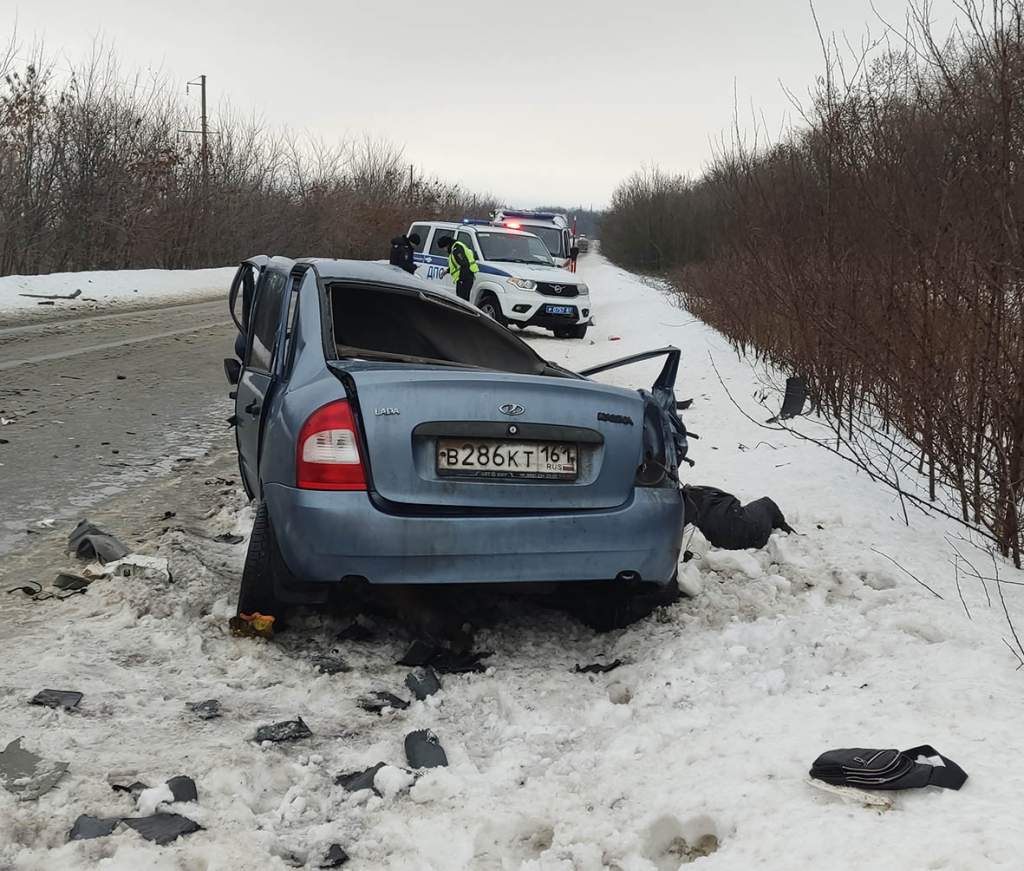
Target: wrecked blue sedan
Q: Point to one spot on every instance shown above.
(391, 434)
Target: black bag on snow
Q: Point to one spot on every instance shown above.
(886, 769)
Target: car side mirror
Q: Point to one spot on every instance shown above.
(232, 370)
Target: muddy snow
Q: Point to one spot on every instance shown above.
(694, 750)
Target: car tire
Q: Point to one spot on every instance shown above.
(490, 306)
(615, 607)
(262, 561)
(578, 331)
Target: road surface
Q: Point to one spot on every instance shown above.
(100, 404)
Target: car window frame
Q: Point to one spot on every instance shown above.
(261, 299)
(439, 233)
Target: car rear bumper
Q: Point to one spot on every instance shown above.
(327, 536)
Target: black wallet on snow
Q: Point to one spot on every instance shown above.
(886, 769)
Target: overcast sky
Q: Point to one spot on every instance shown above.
(531, 101)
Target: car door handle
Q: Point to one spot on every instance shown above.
(254, 408)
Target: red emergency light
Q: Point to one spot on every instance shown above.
(513, 225)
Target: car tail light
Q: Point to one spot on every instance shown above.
(328, 454)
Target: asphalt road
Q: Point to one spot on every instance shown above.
(98, 405)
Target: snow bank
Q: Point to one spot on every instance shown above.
(696, 749)
(111, 287)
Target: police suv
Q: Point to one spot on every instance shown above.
(518, 283)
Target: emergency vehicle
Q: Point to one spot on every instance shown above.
(518, 283)
(552, 228)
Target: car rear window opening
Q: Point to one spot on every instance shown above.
(392, 323)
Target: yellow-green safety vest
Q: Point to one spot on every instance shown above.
(453, 264)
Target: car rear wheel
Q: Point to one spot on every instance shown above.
(262, 562)
(490, 306)
(616, 606)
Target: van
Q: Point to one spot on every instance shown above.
(552, 228)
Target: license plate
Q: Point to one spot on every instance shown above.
(559, 310)
(500, 458)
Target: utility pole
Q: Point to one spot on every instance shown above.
(411, 188)
(204, 132)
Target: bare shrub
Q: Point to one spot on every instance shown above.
(95, 173)
(877, 250)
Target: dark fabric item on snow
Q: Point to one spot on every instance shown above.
(354, 781)
(423, 750)
(206, 710)
(70, 582)
(162, 828)
(378, 701)
(887, 769)
(183, 788)
(287, 730)
(449, 662)
(422, 683)
(25, 775)
(728, 524)
(329, 664)
(419, 653)
(87, 827)
(335, 858)
(229, 538)
(88, 541)
(597, 667)
(57, 699)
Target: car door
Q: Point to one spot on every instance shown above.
(256, 379)
(438, 270)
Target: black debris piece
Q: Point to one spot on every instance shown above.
(794, 399)
(183, 788)
(597, 667)
(229, 538)
(449, 662)
(57, 699)
(163, 828)
(70, 582)
(288, 730)
(423, 682)
(728, 524)
(33, 588)
(420, 653)
(25, 775)
(88, 541)
(206, 710)
(329, 664)
(169, 514)
(133, 788)
(87, 827)
(379, 700)
(423, 750)
(335, 858)
(52, 296)
(355, 631)
(354, 781)
(684, 404)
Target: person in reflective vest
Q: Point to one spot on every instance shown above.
(462, 266)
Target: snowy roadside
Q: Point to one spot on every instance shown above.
(103, 289)
(703, 736)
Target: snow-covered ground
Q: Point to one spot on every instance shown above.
(702, 738)
(110, 287)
